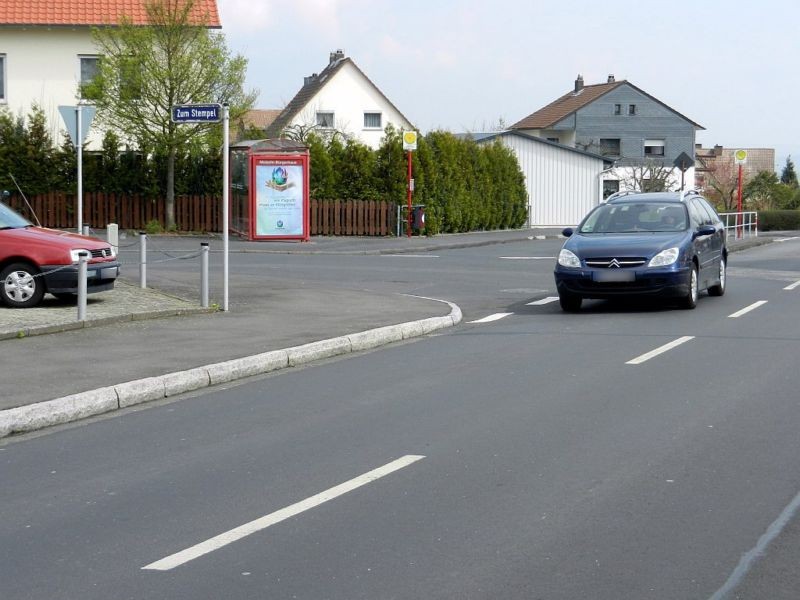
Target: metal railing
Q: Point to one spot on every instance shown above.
(740, 224)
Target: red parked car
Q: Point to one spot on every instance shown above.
(35, 260)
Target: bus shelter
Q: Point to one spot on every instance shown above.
(269, 190)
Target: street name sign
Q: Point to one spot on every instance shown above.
(196, 113)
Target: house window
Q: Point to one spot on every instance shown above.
(609, 146)
(555, 140)
(631, 109)
(372, 120)
(654, 148)
(89, 68)
(610, 186)
(325, 120)
(2, 77)
(618, 109)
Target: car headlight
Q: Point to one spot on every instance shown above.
(567, 258)
(664, 258)
(74, 254)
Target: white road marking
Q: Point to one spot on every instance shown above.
(528, 257)
(490, 318)
(747, 309)
(660, 350)
(217, 542)
(789, 239)
(792, 286)
(543, 301)
(411, 255)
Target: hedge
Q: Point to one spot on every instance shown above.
(779, 220)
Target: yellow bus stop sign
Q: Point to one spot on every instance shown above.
(409, 140)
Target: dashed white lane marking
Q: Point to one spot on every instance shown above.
(789, 239)
(747, 309)
(490, 318)
(660, 350)
(411, 255)
(792, 286)
(217, 542)
(528, 257)
(543, 301)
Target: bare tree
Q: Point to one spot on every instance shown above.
(721, 180)
(650, 176)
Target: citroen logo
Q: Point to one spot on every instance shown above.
(614, 263)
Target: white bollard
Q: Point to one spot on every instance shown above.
(142, 259)
(112, 235)
(83, 271)
(204, 274)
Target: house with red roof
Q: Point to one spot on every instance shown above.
(46, 48)
(341, 99)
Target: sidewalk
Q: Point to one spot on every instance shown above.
(142, 341)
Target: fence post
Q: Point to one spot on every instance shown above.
(204, 274)
(83, 271)
(142, 259)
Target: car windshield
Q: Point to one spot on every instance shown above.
(632, 217)
(10, 219)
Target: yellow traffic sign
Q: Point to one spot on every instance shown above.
(740, 157)
(409, 140)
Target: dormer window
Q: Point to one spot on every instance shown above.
(325, 120)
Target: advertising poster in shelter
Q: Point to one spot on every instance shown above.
(279, 198)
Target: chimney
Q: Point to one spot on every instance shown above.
(717, 150)
(579, 84)
(334, 56)
(611, 78)
(310, 79)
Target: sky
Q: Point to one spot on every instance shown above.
(466, 65)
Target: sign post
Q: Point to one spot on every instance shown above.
(683, 162)
(78, 119)
(409, 145)
(213, 113)
(740, 158)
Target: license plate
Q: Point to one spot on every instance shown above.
(614, 276)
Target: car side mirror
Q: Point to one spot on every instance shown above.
(567, 232)
(705, 230)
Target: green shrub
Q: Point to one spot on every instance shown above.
(153, 226)
(779, 220)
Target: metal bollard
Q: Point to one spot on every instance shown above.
(85, 229)
(112, 235)
(83, 272)
(142, 259)
(204, 274)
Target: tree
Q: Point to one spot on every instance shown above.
(649, 176)
(722, 180)
(762, 191)
(145, 70)
(788, 175)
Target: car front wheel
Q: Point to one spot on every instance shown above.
(719, 289)
(690, 300)
(570, 303)
(20, 285)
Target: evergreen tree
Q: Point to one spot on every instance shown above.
(788, 175)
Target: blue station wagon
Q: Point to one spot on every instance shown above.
(661, 244)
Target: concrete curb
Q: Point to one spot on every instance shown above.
(74, 325)
(79, 406)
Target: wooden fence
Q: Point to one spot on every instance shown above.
(201, 213)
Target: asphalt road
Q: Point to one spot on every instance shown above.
(543, 455)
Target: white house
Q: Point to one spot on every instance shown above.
(46, 49)
(340, 98)
(563, 183)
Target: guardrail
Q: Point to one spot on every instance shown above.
(740, 224)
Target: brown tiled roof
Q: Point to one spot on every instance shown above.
(565, 106)
(313, 85)
(92, 12)
(571, 102)
(261, 118)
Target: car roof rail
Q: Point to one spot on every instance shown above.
(690, 192)
(616, 195)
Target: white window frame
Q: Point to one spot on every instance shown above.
(380, 119)
(81, 83)
(655, 143)
(3, 79)
(322, 125)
